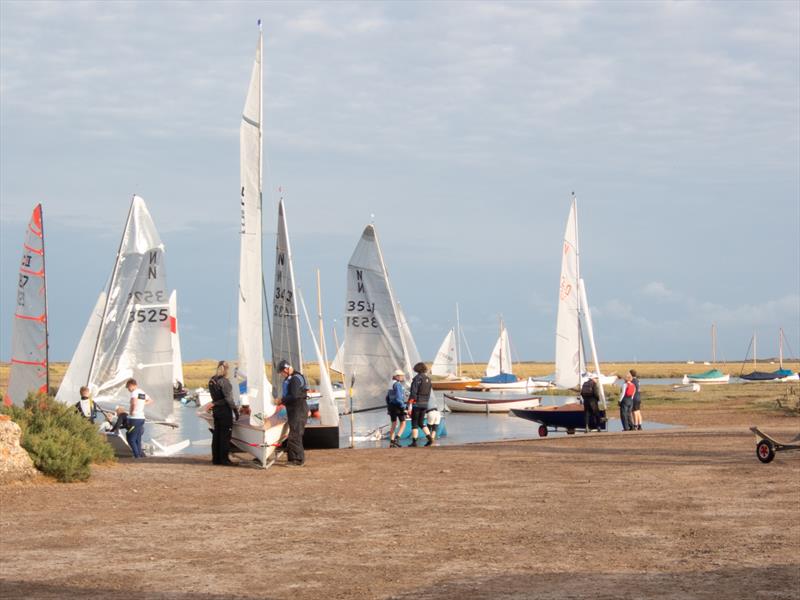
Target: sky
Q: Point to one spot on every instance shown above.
(461, 129)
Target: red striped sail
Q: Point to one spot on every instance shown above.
(29, 329)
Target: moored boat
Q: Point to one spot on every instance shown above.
(498, 384)
(567, 416)
(712, 376)
(459, 403)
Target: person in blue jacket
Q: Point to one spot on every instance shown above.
(396, 407)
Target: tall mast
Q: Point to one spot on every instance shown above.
(713, 343)
(321, 324)
(755, 361)
(581, 349)
(458, 343)
(108, 295)
(780, 347)
(265, 308)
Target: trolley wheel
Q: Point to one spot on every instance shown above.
(542, 431)
(570, 432)
(765, 451)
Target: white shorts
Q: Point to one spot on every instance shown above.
(434, 417)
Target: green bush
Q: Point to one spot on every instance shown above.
(61, 442)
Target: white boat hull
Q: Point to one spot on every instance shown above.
(262, 443)
(484, 405)
(711, 381)
(686, 387)
(523, 384)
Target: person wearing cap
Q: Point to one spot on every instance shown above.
(225, 412)
(418, 398)
(396, 407)
(295, 394)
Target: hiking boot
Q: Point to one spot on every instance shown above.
(429, 442)
(394, 443)
(413, 442)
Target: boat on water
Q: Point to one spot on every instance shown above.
(30, 370)
(712, 376)
(260, 429)
(573, 319)
(472, 404)
(780, 375)
(502, 383)
(447, 363)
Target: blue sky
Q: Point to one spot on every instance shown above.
(463, 127)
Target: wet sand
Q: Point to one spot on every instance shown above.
(682, 513)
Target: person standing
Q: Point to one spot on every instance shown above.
(396, 407)
(434, 418)
(295, 394)
(418, 399)
(225, 411)
(86, 406)
(626, 403)
(591, 407)
(636, 408)
(139, 399)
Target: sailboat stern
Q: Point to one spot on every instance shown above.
(262, 443)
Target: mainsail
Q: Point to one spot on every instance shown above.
(285, 316)
(249, 378)
(375, 344)
(133, 340)
(500, 360)
(177, 359)
(78, 371)
(29, 364)
(569, 345)
(445, 363)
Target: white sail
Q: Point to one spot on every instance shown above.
(444, 364)
(374, 345)
(587, 314)
(569, 355)
(177, 359)
(328, 411)
(249, 379)
(78, 370)
(29, 365)
(338, 361)
(285, 316)
(134, 337)
(500, 360)
(408, 340)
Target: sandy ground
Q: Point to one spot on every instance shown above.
(686, 513)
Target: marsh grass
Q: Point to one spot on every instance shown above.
(767, 397)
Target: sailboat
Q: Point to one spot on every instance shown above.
(780, 374)
(260, 430)
(29, 343)
(179, 392)
(128, 333)
(499, 370)
(712, 376)
(286, 341)
(447, 362)
(574, 317)
(378, 340)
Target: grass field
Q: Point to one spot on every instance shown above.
(767, 397)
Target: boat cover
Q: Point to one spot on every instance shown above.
(712, 374)
(501, 378)
(763, 375)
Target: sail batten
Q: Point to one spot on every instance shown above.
(29, 352)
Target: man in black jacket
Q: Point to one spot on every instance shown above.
(294, 398)
(224, 410)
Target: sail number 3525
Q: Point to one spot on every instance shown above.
(148, 315)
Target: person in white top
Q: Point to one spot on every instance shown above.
(139, 399)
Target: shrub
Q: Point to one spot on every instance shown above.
(61, 442)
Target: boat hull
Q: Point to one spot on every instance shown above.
(711, 380)
(569, 416)
(523, 384)
(484, 405)
(262, 443)
(454, 384)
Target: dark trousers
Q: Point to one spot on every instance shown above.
(296, 414)
(625, 416)
(591, 414)
(134, 436)
(221, 437)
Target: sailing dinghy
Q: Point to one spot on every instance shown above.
(378, 340)
(29, 344)
(260, 429)
(573, 318)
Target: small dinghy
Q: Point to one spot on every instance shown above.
(487, 405)
(567, 416)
